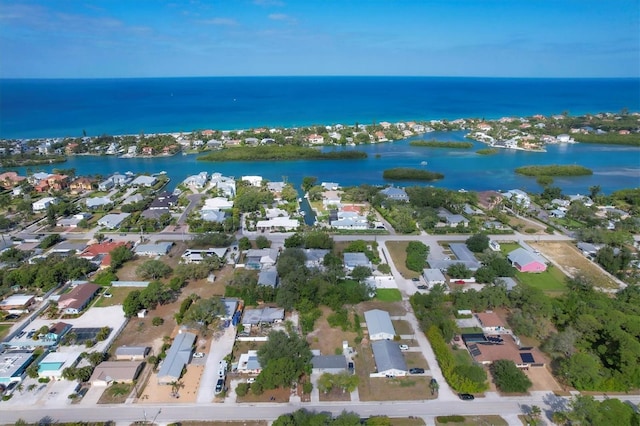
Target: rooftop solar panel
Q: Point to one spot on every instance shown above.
(527, 357)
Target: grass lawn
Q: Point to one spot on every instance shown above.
(462, 357)
(415, 359)
(118, 294)
(474, 421)
(551, 281)
(227, 423)
(402, 327)
(398, 252)
(507, 248)
(467, 330)
(116, 393)
(4, 329)
(388, 295)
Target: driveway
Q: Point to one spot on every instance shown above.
(220, 347)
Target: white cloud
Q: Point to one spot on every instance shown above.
(281, 17)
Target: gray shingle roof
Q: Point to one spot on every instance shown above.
(178, 356)
(388, 356)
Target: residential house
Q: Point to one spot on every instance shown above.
(226, 185)
(379, 325)
(113, 220)
(315, 257)
(433, 277)
(518, 197)
(108, 372)
(213, 216)
(268, 277)
(332, 364)
(81, 184)
(106, 185)
(253, 180)
(217, 203)
(100, 254)
(17, 303)
(452, 220)
(131, 353)
(197, 256)
(394, 193)
(73, 221)
(147, 150)
(278, 224)
(98, 202)
(153, 250)
(588, 249)
(164, 201)
(143, 180)
(315, 139)
(10, 179)
(132, 199)
(197, 181)
(263, 315)
(351, 260)
(507, 282)
(330, 186)
(350, 220)
(44, 203)
(525, 261)
(491, 323)
(56, 332)
(261, 258)
(78, 298)
(389, 359)
(178, 356)
(276, 187)
(248, 363)
(13, 366)
(52, 365)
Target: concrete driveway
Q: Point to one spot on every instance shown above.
(219, 348)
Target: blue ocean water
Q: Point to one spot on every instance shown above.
(58, 108)
(614, 167)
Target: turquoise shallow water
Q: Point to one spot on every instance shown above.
(615, 167)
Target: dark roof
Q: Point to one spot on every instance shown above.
(79, 295)
(329, 361)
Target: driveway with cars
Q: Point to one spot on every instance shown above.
(221, 346)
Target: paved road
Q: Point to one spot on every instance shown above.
(492, 404)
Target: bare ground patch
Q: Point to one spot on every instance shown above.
(155, 393)
(326, 338)
(397, 250)
(569, 258)
(335, 395)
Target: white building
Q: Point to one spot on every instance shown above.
(379, 325)
(253, 180)
(44, 203)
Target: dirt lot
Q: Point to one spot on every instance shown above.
(154, 393)
(415, 359)
(335, 395)
(394, 308)
(569, 258)
(278, 395)
(328, 339)
(402, 327)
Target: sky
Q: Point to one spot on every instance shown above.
(155, 38)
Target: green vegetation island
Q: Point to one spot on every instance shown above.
(31, 160)
(554, 170)
(407, 173)
(438, 144)
(631, 139)
(487, 151)
(279, 153)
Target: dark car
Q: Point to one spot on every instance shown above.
(466, 396)
(219, 386)
(416, 370)
(422, 287)
(415, 280)
(351, 367)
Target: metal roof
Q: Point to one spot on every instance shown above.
(178, 356)
(388, 356)
(378, 321)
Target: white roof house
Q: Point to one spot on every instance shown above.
(44, 203)
(253, 180)
(217, 203)
(278, 223)
(95, 202)
(73, 221)
(144, 181)
(248, 363)
(262, 315)
(433, 277)
(157, 249)
(379, 325)
(351, 260)
(198, 181)
(13, 365)
(113, 220)
(135, 198)
(389, 359)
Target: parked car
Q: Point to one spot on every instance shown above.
(198, 355)
(422, 287)
(351, 367)
(466, 396)
(416, 370)
(404, 347)
(251, 379)
(415, 280)
(219, 386)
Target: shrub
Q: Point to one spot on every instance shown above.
(157, 321)
(307, 387)
(453, 419)
(242, 389)
(508, 377)
(417, 254)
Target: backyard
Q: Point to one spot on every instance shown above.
(388, 295)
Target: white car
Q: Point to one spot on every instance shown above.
(198, 355)
(251, 379)
(404, 347)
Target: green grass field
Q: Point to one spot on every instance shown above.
(550, 281)
(4, 329)
(462, 357)
(388, 295)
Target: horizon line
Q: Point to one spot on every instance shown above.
(326, 76)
